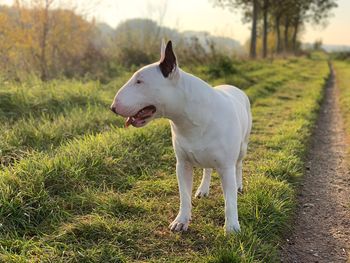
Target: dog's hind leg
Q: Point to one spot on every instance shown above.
(242, 154)
(203, 189)
(239, 179)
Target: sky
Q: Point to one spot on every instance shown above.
(200, 15)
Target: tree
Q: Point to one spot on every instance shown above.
(277, 12)
(43, 40)
(265, 26)
(321, 11)
(315, 12)
(317, 45)
(253, 37)
(286, 16)
(136, 41)
(251, 9)
(41, 11)
(5, 45)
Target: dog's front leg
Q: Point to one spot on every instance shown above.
(229, 187)
(184, 175)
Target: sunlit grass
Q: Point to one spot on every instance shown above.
(49, 131)
(40, 116)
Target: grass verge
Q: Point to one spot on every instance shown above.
(342, 69)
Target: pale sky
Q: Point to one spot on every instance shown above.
(202, 16)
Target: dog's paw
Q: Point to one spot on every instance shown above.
(180, 224)
(232, 228)
(202, 192)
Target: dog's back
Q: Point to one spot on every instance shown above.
(236, 93)
(239, 97)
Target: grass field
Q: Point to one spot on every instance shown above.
(74, 187)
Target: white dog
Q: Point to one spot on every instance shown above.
(210, 128)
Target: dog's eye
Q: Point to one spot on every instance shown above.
(138, 81)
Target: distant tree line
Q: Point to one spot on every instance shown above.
(44, 39)
(280, 20)
(47, 39)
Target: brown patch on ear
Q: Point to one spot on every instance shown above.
(168, 62)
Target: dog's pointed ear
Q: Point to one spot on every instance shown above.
(168, 60)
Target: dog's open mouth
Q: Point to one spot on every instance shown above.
(140, 118)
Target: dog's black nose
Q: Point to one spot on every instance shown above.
(113, 108)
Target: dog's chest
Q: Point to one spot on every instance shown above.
(203, 148)
(202, 158)
(200, 155)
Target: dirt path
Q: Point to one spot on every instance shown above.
(322, 222)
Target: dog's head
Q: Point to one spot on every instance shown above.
(149, 91)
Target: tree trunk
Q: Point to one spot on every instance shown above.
(295, 35)
(252, 52)
(278, 35)
(286, 37)
(43, 44)
(266, 7)
(43, 60)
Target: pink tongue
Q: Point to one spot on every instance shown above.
(140, 116)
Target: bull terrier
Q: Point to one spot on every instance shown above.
(210, 128)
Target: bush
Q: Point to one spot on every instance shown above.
(343, 55)
(221, 67)
(130, 56)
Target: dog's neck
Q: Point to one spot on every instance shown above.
(186, 114)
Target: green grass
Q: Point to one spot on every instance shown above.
(258, 78)
(47, 132)
(109, 196)
(38, 116)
